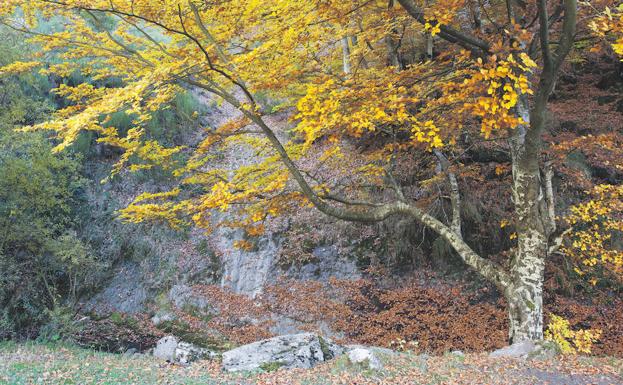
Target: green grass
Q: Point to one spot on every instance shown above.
(63, 364)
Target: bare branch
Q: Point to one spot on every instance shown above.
(455, 195)
(557, 242)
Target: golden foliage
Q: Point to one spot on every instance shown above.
(17, 68)
(595, 222)
(289, 50)
(570, 341)
(609, 25)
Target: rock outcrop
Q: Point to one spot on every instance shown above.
(183, 297)
(527, 349)
(303, 350)
(367, 358)
(170, 349)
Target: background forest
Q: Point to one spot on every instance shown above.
(61, 237)
(121, 239)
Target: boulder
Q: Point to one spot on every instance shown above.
(365, 358)
(170, 349)
(303, 350)
(186, 353)
(165, 348)
(527, 349)
(130, 352)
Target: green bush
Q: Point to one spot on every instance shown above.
(44, 264)
(41, 258)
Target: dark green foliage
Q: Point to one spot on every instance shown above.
(42, 259)
(40, 256)
(59, 233)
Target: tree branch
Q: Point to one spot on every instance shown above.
(448, 33)
(455, 195)
(568, 32)
(544, 35)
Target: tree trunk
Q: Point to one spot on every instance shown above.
(346, 55)
(429, 46)
(525, 293)
(525, 301)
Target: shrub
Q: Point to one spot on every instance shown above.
(570, 341)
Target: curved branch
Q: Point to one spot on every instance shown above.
(448, 33)
(377, 213)
(493, 272)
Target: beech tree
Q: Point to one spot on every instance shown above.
(407, 75)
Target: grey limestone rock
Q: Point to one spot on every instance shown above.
(365, 357)
(171, 349)
(303, 350)
(526, 349)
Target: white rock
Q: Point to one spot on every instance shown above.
(165, 348)
(170, 349)
(186, 353)
(303, 350)
(527, 349)
(365, 357)
(375, 349)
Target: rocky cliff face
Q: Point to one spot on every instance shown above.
(135, 284)
(167, 259)
(247, 271)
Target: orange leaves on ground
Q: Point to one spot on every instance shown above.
(428, 318)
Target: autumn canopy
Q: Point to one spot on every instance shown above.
(333, 99)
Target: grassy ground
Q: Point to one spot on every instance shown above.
(63, 364)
